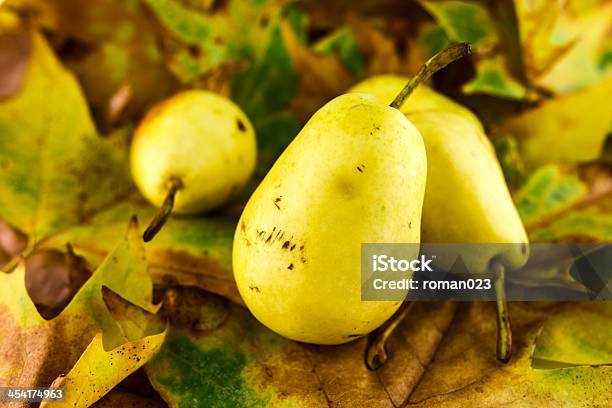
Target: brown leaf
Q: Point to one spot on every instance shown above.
(321, 77)
(329, 14)
(122, 399)
(15, 48)
(464, 371)
(187, 307)
(410, 349)
(53, 278)
(110, 47)
(381, 52)
(12, 242)
(238, 360)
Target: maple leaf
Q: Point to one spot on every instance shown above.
(36, 351)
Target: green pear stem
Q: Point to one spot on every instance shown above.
(504, 331)
(433, 65)
(376, 351)
(164, 211)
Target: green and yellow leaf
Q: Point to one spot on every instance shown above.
(37, 350)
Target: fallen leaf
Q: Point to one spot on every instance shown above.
(190, 251)
(560, 204)
(510, 160)
(108, 46)
(494, 78)
(568, 128)
(267, 103)
(342, 42)
(328, 15)
(380, 52)
(122, 399)
(480, 24)
(590, 224)
(548, 191)
(36, 350)
(464, 371)
(193, 309)
(208, 40)
(578, 334)
(53, 278)
(56, 169)
(12, 242)
(241, 363)
(97, 371)
(564, 43)
(321, 77)
(464, 21)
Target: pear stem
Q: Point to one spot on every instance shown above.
(164, 211)
(433, 65)
(504, 330)
(376, 352)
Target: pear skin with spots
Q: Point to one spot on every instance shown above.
(354, 174)
(200, 138)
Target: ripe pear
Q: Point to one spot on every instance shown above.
(466, 198)
(199, 142)
(467, 201)
(386, 87)
(354, 174)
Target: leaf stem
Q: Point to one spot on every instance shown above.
(434, 64)
(504, 330)
(164, 211)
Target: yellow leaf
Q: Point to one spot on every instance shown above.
(97, 371)
(568, 128)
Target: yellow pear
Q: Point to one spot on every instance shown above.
(192, 153)
(466, 198)
(354, 174)
(203, 139)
